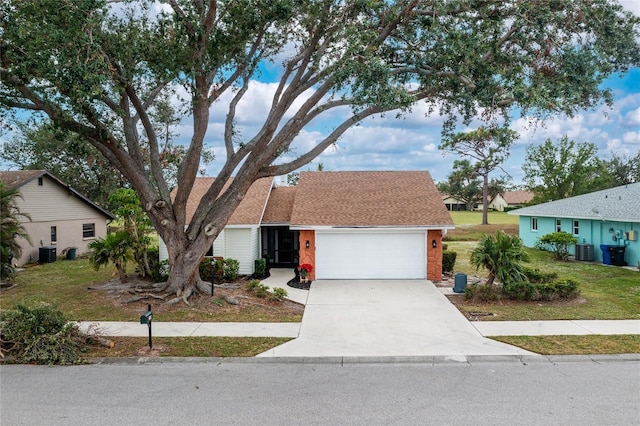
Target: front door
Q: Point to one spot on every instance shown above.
(280, 245)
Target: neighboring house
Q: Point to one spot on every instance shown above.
(510, 200)
(453, 204)
(61, 217)
(609, 217)
(348, 225)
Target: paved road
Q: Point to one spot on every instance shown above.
(569, 392)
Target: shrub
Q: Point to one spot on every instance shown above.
(558, 242)
(278, 293)
(260, 267)
(231, 269)
(448, 260)
(521, 290)
(40, 335)
(207, 268)
(482, 293)
(159, 269)
(535, 275)
(261, 290)
(253, 284)
(562, 289)
(500, 254)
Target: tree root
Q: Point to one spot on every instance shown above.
(143, 297)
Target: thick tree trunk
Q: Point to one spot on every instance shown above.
(184, 275)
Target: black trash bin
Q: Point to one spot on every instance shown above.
(617, 255)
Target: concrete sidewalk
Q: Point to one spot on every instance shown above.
(292, 329)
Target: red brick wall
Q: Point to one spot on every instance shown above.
(434, 255)
(308, 255)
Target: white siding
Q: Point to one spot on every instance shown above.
(234, 243)
(52, 202)
(219, 245)
(238, 242)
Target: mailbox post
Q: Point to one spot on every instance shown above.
(146, 318)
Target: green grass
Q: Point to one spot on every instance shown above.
(466, 218)
(575, 345)
(189, 346)
(609, 292)
(65, 283)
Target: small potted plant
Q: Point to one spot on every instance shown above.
(305, 269)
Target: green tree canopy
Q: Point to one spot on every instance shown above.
(97, 69)
(554, 171)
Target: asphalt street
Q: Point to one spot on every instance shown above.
(564, 391)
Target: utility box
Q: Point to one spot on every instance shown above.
(632, 235)
(584, 252)
(47, 255)
(460, 283)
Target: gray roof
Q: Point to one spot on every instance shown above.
(620, 204)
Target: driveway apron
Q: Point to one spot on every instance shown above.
(385, 318)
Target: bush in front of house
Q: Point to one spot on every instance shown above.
(535, 275)
(482, 293)
(260, 268)
(566, 289)
(558, 243)
(448, 261)
(231, 269)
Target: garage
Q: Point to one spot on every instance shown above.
(359, 254)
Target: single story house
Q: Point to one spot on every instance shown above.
(348, 225)
(455, 205)
(610, 217)
(61, 217)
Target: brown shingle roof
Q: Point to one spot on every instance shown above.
(384, 198)
(250, 209)
(15, 179)
(280, 205)
(517, 197)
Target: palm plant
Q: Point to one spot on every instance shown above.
(500, 254)
(114, 248)
(11, 228)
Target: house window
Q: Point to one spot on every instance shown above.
(558, 225)
(40, 181)
(534, 223)
(576, 227)
(88, 230)
(54, 235)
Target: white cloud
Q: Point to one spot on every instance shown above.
(632, 118)
(631, 137)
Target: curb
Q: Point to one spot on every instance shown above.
(339, 360)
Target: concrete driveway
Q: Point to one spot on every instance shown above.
(385, 318)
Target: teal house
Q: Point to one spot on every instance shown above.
(606, 224)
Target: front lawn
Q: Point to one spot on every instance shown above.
(75, 288)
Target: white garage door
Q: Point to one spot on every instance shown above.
(371, 255)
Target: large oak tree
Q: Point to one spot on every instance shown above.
(97, 69)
